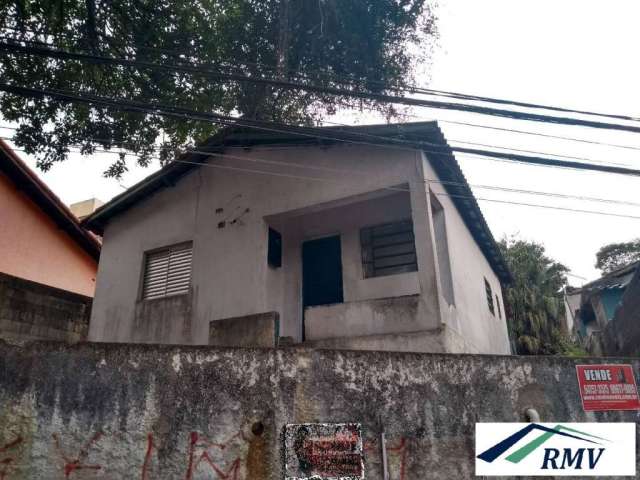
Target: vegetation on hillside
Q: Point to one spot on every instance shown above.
(534, 301)
(616, 255)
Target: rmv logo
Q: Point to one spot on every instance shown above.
(554, 458)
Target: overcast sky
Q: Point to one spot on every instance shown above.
(579, 54)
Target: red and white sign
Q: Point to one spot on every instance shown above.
(608, 387)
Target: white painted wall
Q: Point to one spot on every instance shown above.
(471, 326)
(293, 193)
(572, 304)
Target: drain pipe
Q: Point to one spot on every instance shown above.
(532, 415)
(383, 448)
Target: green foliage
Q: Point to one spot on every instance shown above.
(374, 44)
(615, 255)
(534, 300)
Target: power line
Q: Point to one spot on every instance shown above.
(350, 81)
(524, 132)
(537, 192)
(357, 173)
(566, 209)
(313, 132)
(535, 152)
(512, 114)
(470, 197)
(447, 121)
(510, 130)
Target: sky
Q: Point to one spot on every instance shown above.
(579, 54)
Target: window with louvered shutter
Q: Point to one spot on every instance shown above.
(167, 272)
(388, 249)
(487, 288)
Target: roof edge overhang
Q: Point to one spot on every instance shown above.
(407, 135)
(27, 181)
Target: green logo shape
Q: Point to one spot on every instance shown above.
(523, 452)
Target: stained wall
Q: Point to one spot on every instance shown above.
(121, 411)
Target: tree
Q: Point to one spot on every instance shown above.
(370, 45)
(534, 300)
(616, 255)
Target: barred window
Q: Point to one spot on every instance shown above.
(487, 288)
(388, 249)
(167, 271)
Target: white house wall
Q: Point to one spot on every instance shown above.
(470, 325)
(230, 273)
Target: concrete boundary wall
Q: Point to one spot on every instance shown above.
(119, 411)
(33, 311)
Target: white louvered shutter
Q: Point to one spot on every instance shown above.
(167, 272)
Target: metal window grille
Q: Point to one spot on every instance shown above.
(388, 249)
(167, 272)
(487, 287)
(274, 249)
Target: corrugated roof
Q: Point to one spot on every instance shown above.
(28, 182)
(412, 135)
(618, 278)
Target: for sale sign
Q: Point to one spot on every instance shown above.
(608, 387)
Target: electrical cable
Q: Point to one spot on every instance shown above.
(313, 132)
(429, 181)
(358, 82)
(512, 114)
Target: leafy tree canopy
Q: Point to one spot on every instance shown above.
(374, 44)
(616, 255)
(534, 300)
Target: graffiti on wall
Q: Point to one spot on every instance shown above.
(7, 460)
(206, 458)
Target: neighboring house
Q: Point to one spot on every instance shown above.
(85, 208)
(48, 262)
(358, 239)
(604, 308)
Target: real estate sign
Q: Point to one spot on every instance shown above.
(323, 451)
(607, 387)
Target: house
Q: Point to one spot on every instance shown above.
(361, 238)
(48, 261)
(604, 315)
(85, 208)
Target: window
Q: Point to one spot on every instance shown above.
(167, 271)
(388, 249)
(442, 249)
(487, 288)
(498, 305)
(274, 249)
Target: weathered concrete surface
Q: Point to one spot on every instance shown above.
(148, 412)
(417, 342)
(366, 317)
(260, 330)
(162, 320)
(33, 311)
(622, 334)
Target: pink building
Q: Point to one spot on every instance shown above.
(40, 239)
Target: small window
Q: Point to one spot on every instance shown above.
(388, 249)
(498, 305)
(167, 272)
(274, 249)
(442, 249)
(487, 288)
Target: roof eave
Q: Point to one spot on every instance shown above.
(22, 176)
(239, 137)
